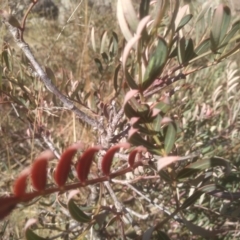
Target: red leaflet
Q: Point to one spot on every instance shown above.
(64, 164)
(20, 185)
(39, 170)
(84, 163)
(108, 157)
(132, 155)
(7, 205)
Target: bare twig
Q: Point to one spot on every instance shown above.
(16, 33)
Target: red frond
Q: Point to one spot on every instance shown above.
(108, 157)
(7, 205)
(20, 185)
(132, 155)
(84, 163)
(64, 164)
(39, 170)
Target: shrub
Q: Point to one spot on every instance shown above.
(158, 158)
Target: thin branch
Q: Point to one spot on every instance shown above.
(124, 182)
(16, 33)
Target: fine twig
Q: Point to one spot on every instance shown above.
(16, 33)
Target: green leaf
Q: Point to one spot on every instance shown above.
(163, 107)
(165, 176)
(130, 111)
(231, 33)
(113, 44)
(198, 166)
(205, 8)
(220, 24)
(105, 57)
(50, 74)
(30, 235)
(184, 21)
(162, 235)
(5, 59)
(156, 64)
(189, 52)
(181, 50)
(147, 235)
(203, 47)
(144, 8)
(153, 233)
(99, 65)
(115, 78)
(170, 137)
(77, 213)
(104, 40)
(197, 230)
(137, 140)
(132, 84)
(157, 123)
(196, 195)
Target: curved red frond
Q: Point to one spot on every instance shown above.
(108, 157)
(132, 155)
(84, 163)
(64, 165)
(7, 205)
(39, 170)
(20, 185)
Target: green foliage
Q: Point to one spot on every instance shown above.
(167, 76)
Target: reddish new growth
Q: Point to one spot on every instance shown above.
(37, 173)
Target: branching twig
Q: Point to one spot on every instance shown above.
(45, 79)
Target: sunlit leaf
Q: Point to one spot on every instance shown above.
(203, 47)
(156, 63)
(220, 24)
(130, 14)
(181, 50)
(104, 40)
(184, 21)
(195, 167)
(122, 22)
(235, 28)
(170, 137)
